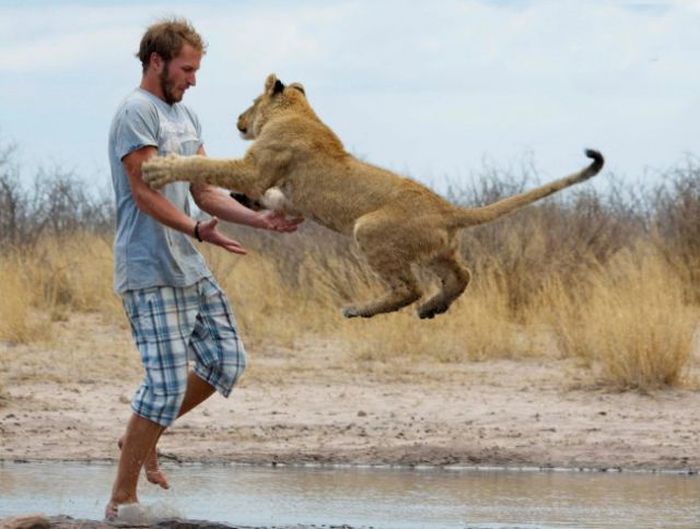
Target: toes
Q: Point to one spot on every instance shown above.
(111, 512)
(350, 312)
(430, 311)
(353, 312)
(157, 478)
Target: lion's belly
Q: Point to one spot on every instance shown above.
(329, 210)
(336, 196)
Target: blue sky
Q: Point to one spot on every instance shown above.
(434, 90)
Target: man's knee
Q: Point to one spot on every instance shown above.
(171, 404)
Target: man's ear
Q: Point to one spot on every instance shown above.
(156, 61)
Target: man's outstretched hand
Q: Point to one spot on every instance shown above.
(276, 221)
(209, 233)
(269, 220)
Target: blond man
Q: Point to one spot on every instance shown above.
(181, 321)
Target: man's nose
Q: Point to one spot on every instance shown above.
(192, 80)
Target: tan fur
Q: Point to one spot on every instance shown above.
(297, 163)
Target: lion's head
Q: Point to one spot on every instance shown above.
(276, 97)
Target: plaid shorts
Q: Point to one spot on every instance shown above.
(173, 326)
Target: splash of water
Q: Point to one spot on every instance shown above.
(140, 514)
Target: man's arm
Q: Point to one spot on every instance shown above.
(160, 208)
(219, 204)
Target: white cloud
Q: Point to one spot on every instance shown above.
(428, 87)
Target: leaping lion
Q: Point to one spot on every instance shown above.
(298, 165)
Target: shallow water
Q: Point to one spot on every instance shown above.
(369, 497)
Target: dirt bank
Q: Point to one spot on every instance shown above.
(534, 413)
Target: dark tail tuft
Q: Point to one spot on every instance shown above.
(597, 158)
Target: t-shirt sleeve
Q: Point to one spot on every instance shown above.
(197, 126)
(137, 127)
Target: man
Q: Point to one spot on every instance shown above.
(176, 310)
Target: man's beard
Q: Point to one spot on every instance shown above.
(166, 86)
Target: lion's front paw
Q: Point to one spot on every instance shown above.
(160, 170)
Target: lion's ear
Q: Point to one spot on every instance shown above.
(273, 85)
(298, 86)
(270, 82)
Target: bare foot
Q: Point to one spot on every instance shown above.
(153, 472)
(111, 511)
(129, 511)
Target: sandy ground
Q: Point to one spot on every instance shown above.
(313, 404)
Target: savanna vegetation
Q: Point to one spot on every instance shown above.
(611, 278)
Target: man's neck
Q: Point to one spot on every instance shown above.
(151, 85)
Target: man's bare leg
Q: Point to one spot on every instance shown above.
(197, 392)
(150, 466)
(140, 438)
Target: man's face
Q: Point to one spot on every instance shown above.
(179, 74)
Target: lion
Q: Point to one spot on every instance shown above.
(298, 165)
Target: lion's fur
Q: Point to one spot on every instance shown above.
(297, 163)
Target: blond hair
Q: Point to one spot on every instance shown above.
(166, 38)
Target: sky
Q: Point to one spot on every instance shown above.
(434, 90)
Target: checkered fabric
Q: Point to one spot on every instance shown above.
(173, 326)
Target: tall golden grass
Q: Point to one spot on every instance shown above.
(53, 278)
(584, 279)
(629, 319)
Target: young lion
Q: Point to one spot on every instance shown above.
(297, 164)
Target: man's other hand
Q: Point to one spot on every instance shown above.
(209, 233)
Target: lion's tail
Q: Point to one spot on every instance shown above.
(480, 215)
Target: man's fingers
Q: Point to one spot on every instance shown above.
(234, 248)
(209, 233)
(284, 224)
(230, 245)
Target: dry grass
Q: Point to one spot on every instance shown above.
(50, 294)
(628, 317)
(591, 278)
(276, 300)
(20, 321)
(628, 320)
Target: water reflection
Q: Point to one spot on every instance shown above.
(381, 498)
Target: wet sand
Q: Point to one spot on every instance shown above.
(538, 413)
(66, 522)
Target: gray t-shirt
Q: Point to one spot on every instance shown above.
(147, 253)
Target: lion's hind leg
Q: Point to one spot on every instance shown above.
(390, 258)
(403, 290)
(454, 277)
